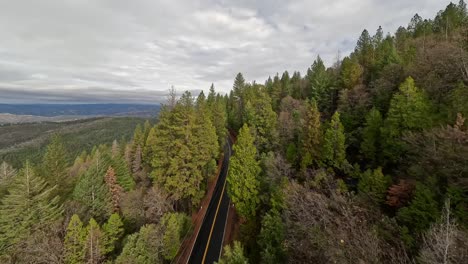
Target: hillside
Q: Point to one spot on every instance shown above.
(363, 161)
(20, 142)
(50, 110)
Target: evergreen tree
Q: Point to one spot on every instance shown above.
(144, 247)
(371, 135)
(334, 149)
(176, 227)
(319, 82)
(55, 164)
(115, 149)
(74, 244)
(409, 111)
(91, 190)
(243, 184)
(94, 246)
(365, 50)
(238, 102)
(112, 231)
(271, 238)
(148, 151)
(262, 119)
(7, 174)
(420, 214)
(351, 73)
(312, 136)
(185, 149)
(28, 203)
(138, 137)
(146, 131)
(233, 255)
(123, 174)
(374, 185)
(137, 162)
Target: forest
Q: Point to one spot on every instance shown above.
(365, 161)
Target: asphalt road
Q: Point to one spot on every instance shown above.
(209, 241)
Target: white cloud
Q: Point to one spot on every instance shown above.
(145, 46)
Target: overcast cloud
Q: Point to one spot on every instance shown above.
(134, 50)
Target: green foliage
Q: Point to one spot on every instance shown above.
(91, 191)
(143, 247)
(311, 136)
(351, 73)
(370, 144)
(184, 152)
(244, 169)
(237, 103)
(94, 245)
(55, 163)
(409, 111)
(30, 140)
(320, 84)
(233, 255)
(271, 238)
(113, 231)
(374, 185)
(7, 175)
(334, 149)
(28, 203)
(218, 114)
(124, 177)
(260, 116)
(176, 227)
(74, 244)
(421, 212)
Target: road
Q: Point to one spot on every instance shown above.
(209, 241)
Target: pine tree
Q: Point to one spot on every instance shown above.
(371, 135)
(312, 136)
(176, 227)
(374, 185)
(74, 244)
(136, 166)
(94, 243)
(421, 212)
(233, 255)
(115, 189)
(144, 247)
(7, 175)
(351, 73)
(124, 176)
(271, 238)
(365, 49)
(185, 149)
(138, 137)
(113, 231)
(334, 149)
(28, 203)
(146, 131)
(319, 83)
(55, 164)
(261, 118)
(148, 151)
(243, 184)
(91, 190)
(409, 111)
(115, 149)
(238, 102)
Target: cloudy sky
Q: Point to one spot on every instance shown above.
(135, 50)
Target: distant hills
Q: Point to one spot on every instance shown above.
(52, 110)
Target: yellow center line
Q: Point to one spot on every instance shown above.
(214, 221)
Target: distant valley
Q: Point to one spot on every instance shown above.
(30, 113)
